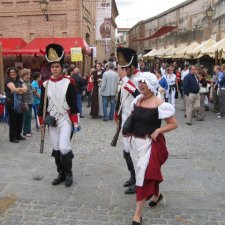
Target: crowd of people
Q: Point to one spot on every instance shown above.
(139, 96)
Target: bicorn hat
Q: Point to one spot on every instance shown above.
(54, 53)
(126, 57)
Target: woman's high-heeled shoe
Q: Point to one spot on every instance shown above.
(136, 223)
(153, 204)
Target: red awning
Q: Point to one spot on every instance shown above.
(12, 44)
(163, 30)
(38, 45)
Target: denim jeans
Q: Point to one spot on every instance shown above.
(35, 109)
(79, 103)
(27, 121)
(105, 101)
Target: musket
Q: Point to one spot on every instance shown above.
(116, 135)
(118, 128)
(44, 114)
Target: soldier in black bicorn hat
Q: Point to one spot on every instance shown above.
(61, 113)
(127, 64)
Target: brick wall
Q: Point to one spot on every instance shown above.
(67, 18)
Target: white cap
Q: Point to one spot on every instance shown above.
(150, 79)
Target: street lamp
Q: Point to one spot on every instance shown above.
(44, 8)
(209, 11)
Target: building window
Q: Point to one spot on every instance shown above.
(88, 38)
(64, 34)
(31, 36)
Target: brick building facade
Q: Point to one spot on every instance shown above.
(192, 24)
(67, 18)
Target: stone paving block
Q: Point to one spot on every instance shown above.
(2, 185)
(91, 195)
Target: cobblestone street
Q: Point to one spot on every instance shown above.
(193, 187)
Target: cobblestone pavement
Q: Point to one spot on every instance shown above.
(194, 185)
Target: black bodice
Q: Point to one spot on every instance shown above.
(145, 121)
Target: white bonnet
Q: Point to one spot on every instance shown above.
(150, 79)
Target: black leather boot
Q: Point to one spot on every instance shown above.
(61, 175)
(67, 167)
(132, 180)
(131, 189)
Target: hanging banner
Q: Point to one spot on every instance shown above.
(76, 55)
(103, 19)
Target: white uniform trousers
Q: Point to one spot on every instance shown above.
(126, 144)
(60, 135)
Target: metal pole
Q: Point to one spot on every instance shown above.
(91, 57)
(1, 71)
(216, 57)
(83, 62)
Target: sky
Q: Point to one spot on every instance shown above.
(132, 11)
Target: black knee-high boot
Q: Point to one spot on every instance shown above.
(61, 175)
(67, 167)
(131, 182)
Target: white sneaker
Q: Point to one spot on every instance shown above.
(217, 113)
(28, 135)
(220, 117)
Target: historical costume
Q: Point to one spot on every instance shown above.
(94, 98)
(127, 59)
(146, 156)
(61, 105)
(147, 143)
(171, 80)
(99, 79)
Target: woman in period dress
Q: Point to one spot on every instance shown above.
(173, 86)
(163, 85)
(96, 99)
(148, 149)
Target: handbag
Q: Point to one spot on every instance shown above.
(19, 105)
(203, 90)
(128, 126)
(50, 121)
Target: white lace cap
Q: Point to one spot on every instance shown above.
(150, 79)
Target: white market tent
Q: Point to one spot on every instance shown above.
(168, 51)
(181, 53)
(160, 52)
(178, 49)
(150, 54)
(190, 48)
(198, 51)
(218, 47)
